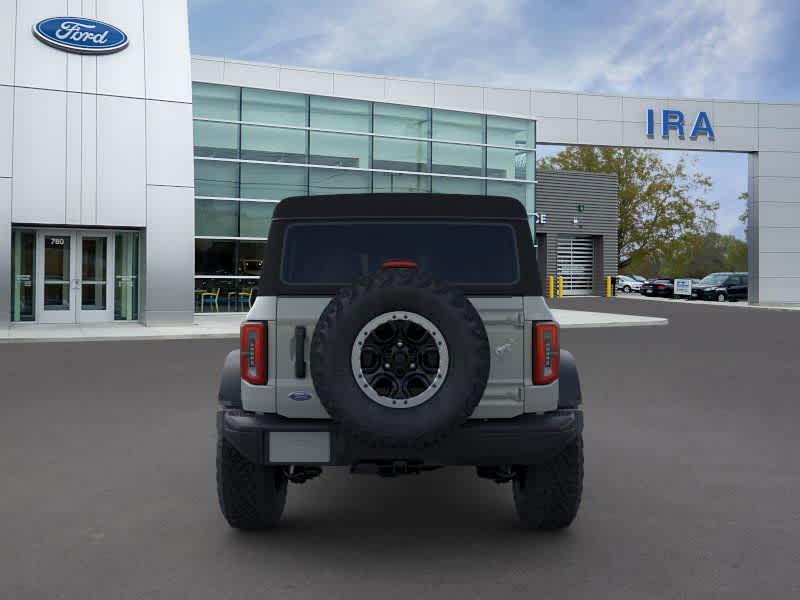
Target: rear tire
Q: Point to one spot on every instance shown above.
(547, 496)
(722, 297)
(627, 289)
(251, 496)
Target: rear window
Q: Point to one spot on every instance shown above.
(474, 254)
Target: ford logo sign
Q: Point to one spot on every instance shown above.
(84, 36)
(300, 396)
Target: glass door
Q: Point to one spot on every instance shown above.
(74, 275)
(56, 277)
(94, 301)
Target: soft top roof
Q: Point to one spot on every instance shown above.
(415, 205)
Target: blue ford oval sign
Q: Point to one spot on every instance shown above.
(84, 36)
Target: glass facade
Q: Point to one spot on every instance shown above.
(255, 147)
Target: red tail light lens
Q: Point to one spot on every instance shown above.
(661, 287)
(546, 352)
(253, 349)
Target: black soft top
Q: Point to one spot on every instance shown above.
(407, 206)
(424, 206)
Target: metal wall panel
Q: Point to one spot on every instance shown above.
(8, 25)
(36, 64)
(169, 144)
(6, 128)
(5, 250)
(121, 73)
(121, 174)
(169, 255)
(166, 52)
(354, 86)
(39, 148)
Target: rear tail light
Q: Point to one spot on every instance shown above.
(546, 352)
(661, 287)
(253, 352)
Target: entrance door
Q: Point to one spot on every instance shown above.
(73, 273)
(576, 264)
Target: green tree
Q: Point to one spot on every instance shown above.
(659, 202)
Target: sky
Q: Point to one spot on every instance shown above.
(733, 49)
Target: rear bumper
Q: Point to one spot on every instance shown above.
(524, 440)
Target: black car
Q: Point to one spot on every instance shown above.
(663, 288)
(722, 287)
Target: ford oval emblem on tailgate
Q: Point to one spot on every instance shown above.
(300, 396)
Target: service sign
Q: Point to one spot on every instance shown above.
(683, 287)
(84, 36)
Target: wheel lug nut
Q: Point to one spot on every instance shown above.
(399, 344)
(386, 366)
(413, 366)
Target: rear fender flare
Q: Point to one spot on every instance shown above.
(569, 384)
(230, 382)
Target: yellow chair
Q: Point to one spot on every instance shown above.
(211, 298)
(247, 295)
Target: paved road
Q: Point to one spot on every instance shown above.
(692, 481)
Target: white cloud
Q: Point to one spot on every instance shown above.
(687, 47)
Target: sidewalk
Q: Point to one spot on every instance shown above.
(227, 326)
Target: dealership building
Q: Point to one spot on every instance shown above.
(137, 182)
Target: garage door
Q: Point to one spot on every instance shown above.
(576, 264)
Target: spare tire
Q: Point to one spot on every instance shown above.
(399, 359)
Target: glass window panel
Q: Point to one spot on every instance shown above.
(408, 121)
(215, 295)
(93, 273)
(255, 218)
(340, 150)
(336, 113)
(126, 276)
(23, 260)
(214, 257)
(395, 182)
(521, 191)
(458, 126)
(215, 101)
(509, 164)
(457, 159)
(213, 178)
(337, 253)
(272, 182)
(281, 108)
(338, 181)
(220, 140)
(216, 217)
(457, 185)
(251, 257)
(400, 155)
(273, 144)
(507, 131)
(56, 272)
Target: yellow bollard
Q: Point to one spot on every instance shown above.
(608, 287)
(551, 286)
(561, 286)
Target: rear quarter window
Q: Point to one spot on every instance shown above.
(473, 254)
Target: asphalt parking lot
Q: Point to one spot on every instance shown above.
(692, 480)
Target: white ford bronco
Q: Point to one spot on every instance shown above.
(394, 334)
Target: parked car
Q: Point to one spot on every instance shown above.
(627, 284)
(638, 278)
(722, 287)
(664, 288)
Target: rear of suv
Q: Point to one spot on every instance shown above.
(397, 334)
